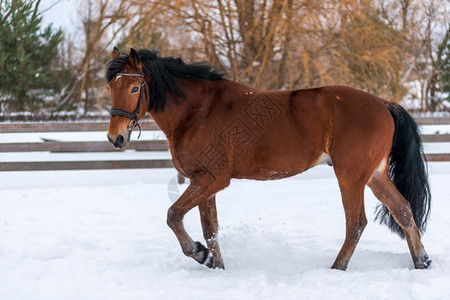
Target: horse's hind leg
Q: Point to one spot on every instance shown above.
(353, 202)
(210, 225)
(385, 190)
(194, 195)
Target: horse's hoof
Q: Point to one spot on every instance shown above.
(340, 265)
(423, 262)
(338, 268)
(203, 255)
(218, 263)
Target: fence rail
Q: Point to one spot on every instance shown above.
(433, 120)
(104, 146)
(85, 165)
(155, 145)
(437, 157)
(435, 138)
(66, 126)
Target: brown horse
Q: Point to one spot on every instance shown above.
(220, 129)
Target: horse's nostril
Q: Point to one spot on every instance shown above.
(120, 139)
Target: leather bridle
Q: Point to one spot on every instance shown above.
(135, 114)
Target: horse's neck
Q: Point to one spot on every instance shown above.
(200, 95)
(176, 112)
(166, 121)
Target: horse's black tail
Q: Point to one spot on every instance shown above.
(407, 170)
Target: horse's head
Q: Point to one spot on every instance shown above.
(129, 96)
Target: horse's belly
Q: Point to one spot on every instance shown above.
(266, 174)
(269, 166)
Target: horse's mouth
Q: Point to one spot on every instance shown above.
(120, 142)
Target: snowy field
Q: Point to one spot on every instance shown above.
(103, 235)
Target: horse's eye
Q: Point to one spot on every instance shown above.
(134, 89)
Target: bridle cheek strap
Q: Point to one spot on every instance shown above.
(133, 116)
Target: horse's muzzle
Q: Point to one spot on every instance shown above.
(120, 142)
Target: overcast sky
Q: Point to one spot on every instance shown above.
(62, 13)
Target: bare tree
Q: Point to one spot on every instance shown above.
(375, 45)
(102, 21)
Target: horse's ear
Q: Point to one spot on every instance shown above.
(135, 60)
(115, 53)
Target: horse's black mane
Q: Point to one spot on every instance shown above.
(161, 71)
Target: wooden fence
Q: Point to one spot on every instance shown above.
(436, 138)
(82, 147)
(105, 146)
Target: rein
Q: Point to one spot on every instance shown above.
(135, 114)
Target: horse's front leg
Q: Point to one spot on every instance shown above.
(194, 195)
(210, 225)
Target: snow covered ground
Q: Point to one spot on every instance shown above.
(103, 235)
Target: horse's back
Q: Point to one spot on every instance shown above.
(344, 111)
(345, 123)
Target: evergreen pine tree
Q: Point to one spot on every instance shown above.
(26, 53)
